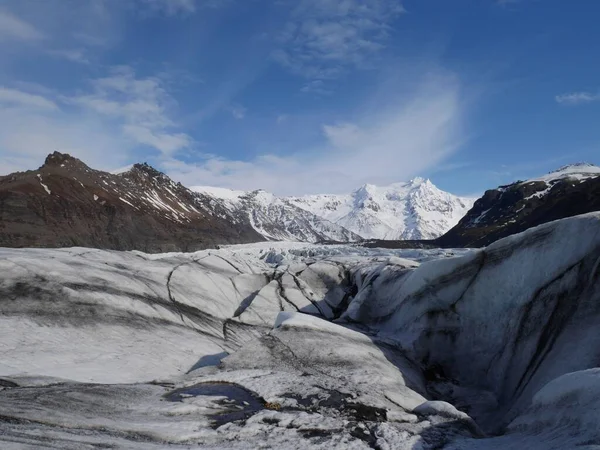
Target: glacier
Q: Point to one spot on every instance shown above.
(291, 345)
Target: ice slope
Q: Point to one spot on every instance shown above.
(413, 210)
(493, 349)
(106, 316)
(506, 319)
(275, 218)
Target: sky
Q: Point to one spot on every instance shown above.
(305, 96)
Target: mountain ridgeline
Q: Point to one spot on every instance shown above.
(507, 210)
(65, 203)
(413, 210)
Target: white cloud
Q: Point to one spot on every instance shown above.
(165, 142)
(27, 135)
(325, 37)
(316, 87)
(577, 98)
(73, 55)
(178, 7)
(171, 7)
(389, 142)
(17, 98)
(142, 104)
(103, 127)
(238, 111)
(11, 27)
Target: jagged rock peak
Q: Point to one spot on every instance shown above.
(58, 159)
(147, 168)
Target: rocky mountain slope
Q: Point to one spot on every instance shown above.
(401, 211)
(566, 192)
(65, 203)
(301, 346)
(274, 218)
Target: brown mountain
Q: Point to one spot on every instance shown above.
(65, 203)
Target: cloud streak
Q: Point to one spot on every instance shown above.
(389, 142)
(180, 7)
(142, 104)
(13, 28)
(238, 111)
(120, 114)
(577, 98)
(16, 98)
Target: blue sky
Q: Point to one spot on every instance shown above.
(304, 96)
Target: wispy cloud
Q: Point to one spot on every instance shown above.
(577, 98)
(32, 125)
(120, 114)
(238, 111)
(16, 98)
(170, 7)
(178, 7)
(73, 55)
(142, 104)
(387, 142)
(12, 27)
(326, 37)
(316, 87)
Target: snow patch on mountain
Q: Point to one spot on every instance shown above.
(275, 218)
(579, 171)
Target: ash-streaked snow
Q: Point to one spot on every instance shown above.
(289, 345)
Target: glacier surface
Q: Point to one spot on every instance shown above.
(289, 345)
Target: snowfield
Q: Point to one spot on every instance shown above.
(289, 345)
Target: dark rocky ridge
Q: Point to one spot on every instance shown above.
(65, 203)
(512, 209)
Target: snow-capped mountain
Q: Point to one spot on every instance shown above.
(273, 217)
(413, 210)
(568, 191)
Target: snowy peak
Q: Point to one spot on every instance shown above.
(413, 210)
(581, 167)
(580, 171)
(273, 217)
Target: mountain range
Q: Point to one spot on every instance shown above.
(413, 210)
(65, 203)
